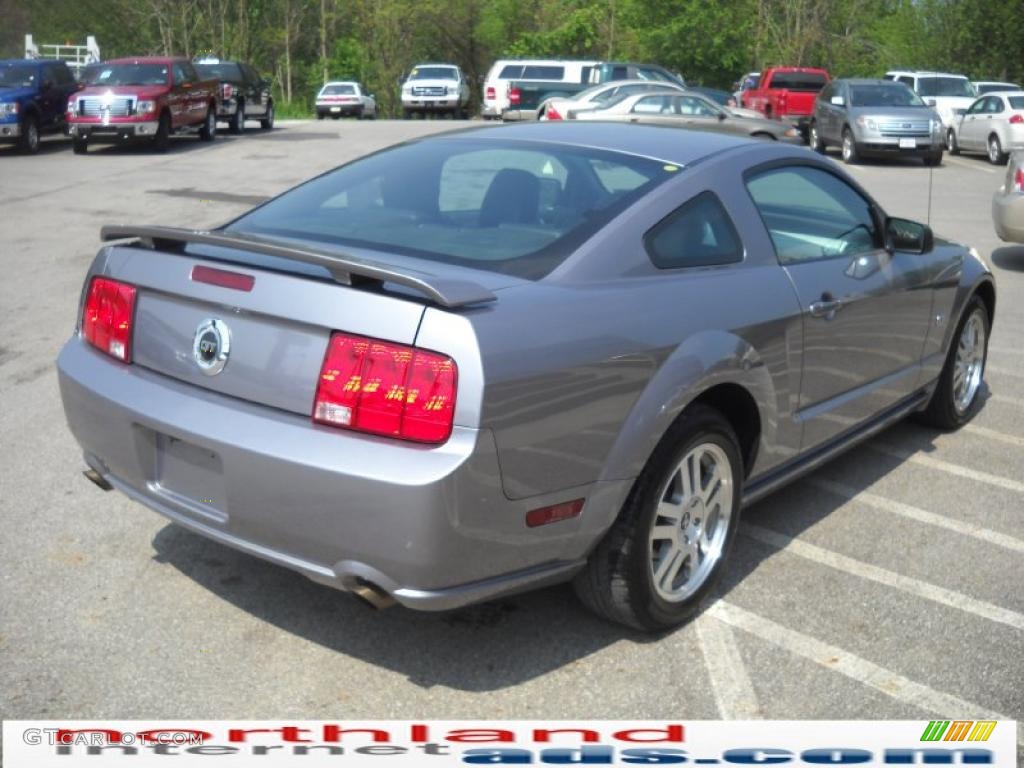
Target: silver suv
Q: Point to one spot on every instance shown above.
(875, 117)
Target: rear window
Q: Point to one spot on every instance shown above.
(536, 72)
(224, 70)
(518, 208)
(798, 81)
(338, 90)
(945, 86)
(511, 72)
(1016, 102)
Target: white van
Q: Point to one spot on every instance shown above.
(495, 93)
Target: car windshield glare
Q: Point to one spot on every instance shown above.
(129, 74)
(883, 96)
(433, 73)
(17, 76)
(518, 208)
(945, 86)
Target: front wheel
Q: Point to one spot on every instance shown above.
(237, 124)
(664, 553)
(267, 123)
(933, 160)
(951, 143)
(79, 146)
(850, 154)
(814, 139)
(29, 141)
(209, 129)
(955, 400)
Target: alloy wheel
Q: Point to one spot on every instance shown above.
(969, 366)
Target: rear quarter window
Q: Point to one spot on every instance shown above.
(697, 234)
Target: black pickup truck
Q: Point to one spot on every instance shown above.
(244, 94)
(525, 97)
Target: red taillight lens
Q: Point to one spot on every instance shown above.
(107, 317)
(386, 389)
(1017, 119)
(490, 93)
(551, 113)
(226, 90)
(514, 96)
(1018, 181)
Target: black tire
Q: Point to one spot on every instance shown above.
(617, 582)
(951, 143)
(814, 139)
(79, 146)
(407, 114)
(28, 142)
(851, 156)
(267, 121)
(933, 160)
(319, 115)
(237, 123)
(996, 155)
(943, 412)
(763, 136)
(209, 130)
(162, 137)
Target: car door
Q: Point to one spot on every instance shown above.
(865, 313)
(970, 126)
(653, 110)
(179, 99)
(695, 112)
(51, 98)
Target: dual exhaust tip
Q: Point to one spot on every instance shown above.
(367, 592)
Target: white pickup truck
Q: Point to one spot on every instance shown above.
(435, 88)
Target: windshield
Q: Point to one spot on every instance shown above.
(338, 90)
(993, 87)
(883, 96)
(128, 74)
(225, 70)
(17, 75)
(518, 208)
(433, 73)
(945, 86)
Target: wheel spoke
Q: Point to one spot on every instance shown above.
(663, 532)
(712, 487)
(668, 566)
(671, 512)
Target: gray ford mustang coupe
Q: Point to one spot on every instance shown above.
(495, 359)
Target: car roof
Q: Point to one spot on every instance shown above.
(658, 142)
(340, 82)
(147, 60)
(925, 73)
(869, 81)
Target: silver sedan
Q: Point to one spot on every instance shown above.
(689, 110)
(1008, 202)
(992, 125)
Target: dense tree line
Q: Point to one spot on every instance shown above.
(299, 43)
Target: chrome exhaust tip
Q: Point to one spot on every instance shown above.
(98, 479)
(372, 595)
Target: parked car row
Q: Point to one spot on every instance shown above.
(148, 98)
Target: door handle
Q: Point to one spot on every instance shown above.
(826, 306)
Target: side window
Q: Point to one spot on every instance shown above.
(995, 105)
(907, 80)
(977, 107)
(179, 74)
(652, 105)
(697, 234)
(826, 92)
(811, 214)
(190, 73)
(691, 105)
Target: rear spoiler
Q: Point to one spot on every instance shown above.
(343, 269)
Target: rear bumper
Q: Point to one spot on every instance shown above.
(227, 109)
(114, 131)
(513, 115)
(1008, 217)
(428, 103)
(490, 110)
(339, 109)
(428, 525)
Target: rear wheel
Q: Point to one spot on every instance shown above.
(237, 124)
(29, 140)
(933, 160)
(79, 146)
(267, 122)
(209, 129)
(955, 400)
(996, 156)
(951, 142)
(814, 139)
(667, 548)
(850, 153)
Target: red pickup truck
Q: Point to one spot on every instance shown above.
(146, 98)
(787, 94)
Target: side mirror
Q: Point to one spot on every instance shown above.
(838, 101)
(722, 116)
(909, 236)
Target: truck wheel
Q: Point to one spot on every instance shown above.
(29, 141)
(664, 553)
(406, 114)
(955, 400)
(79, 146)
(162, 138)
(209, 129)
(933, 160)
(237, 124)
(850, 154)
(267, 123)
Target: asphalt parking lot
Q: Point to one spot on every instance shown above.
(886, 585)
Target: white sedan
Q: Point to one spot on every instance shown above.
(558, 107)
(345, 99)
(993, 125)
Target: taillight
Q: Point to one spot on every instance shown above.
(386, 389)
(107, 317)
(514, 96)
(551, 113)
(1018, 181)
(226, 90)
(1017, 119)
(490, 94)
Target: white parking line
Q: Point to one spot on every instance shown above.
(916, 513)
(952, 469)
(967, 164)
(1015, 372)
(1019, 402)
(885, 577)
(730, 684)
(992, 434)
(849, 665)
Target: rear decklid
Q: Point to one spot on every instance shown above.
(279, 304)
